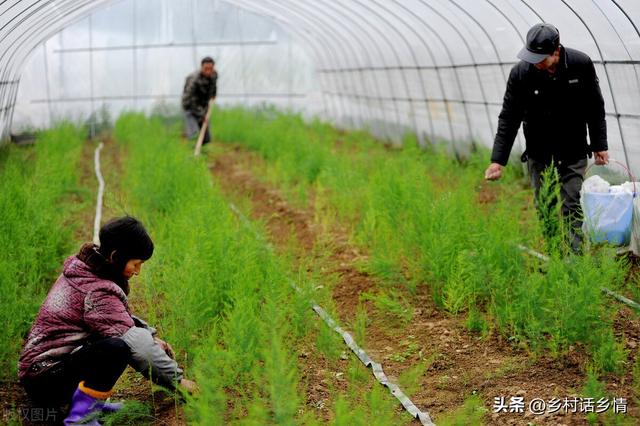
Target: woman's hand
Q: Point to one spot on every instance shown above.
(190, 386)
(165, 347)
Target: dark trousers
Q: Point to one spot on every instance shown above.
(99, 364)
(570, 176)
(192, 125)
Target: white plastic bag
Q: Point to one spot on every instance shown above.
(607, 215)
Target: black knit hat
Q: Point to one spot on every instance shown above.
(542, 40)
(127, 237)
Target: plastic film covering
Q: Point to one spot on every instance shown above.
(436, 68)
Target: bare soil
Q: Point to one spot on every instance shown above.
(460, 363)
(132, 386)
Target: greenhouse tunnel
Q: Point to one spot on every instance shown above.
(344, 217)
(433, 67)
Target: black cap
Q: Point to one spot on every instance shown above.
(542, 41)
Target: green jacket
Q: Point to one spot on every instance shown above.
(197, 91)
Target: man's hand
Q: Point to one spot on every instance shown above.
(189, 385)
(493, 172)
(601, 157)
(165, 347)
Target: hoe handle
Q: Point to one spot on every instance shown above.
(203, 129)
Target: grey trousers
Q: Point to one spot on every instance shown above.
(571, 176)
(192, 126)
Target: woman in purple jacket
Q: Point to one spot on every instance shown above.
(85, 335)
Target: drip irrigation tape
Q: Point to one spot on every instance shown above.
(98, 218)
(376, 368)
(605, 290)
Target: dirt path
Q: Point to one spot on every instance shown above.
(164, 409)
(459, 362)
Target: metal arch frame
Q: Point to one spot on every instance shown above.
(635, 27)
(18, 40)
(14, 57)
(56, 14)
(334, 37)
(395, 53)
(17, 56)
(493, 45)
(300, 15)
(315, 52)
(464, 41)
(516, 11)
(604, 66)
(522, 40)
(306, 39)
(624, 45)
(335, 28)
(243, 56)
(436, 67)
(418, 71)
(473, 58)
(301, 32)
(606, 72)
(374, 76)
(8, 94)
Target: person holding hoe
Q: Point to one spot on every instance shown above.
(200, 88)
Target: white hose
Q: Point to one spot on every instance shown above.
(98, 218)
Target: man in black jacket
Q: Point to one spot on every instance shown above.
(554, 92)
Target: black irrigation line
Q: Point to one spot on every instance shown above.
(376, 368)
(605, 290)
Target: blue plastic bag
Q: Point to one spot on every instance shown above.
(607, 216)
